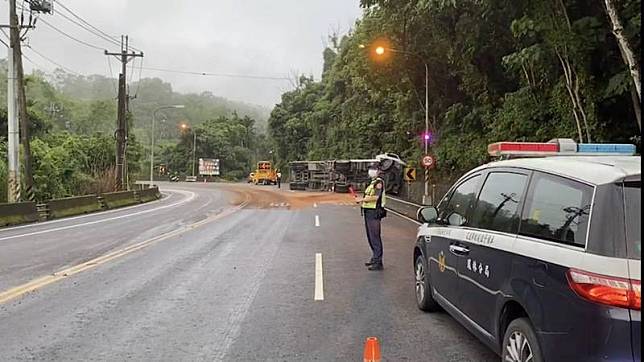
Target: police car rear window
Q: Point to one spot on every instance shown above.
(633, 207)
(557, 209)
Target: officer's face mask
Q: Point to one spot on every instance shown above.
(373, 173)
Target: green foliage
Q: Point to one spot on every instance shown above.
(234, 140)
(67, 165)
(495, 73)
(73, 119)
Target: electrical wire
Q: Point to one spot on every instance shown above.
(53, 61)
(23, 55)
(32, 62)
(71, 37)
(109, 65)
(244, 76)
(132, 71)
(93, 29)
(138, 83)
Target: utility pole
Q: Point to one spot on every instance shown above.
(17, 117)
(121, 134)
(13, 143)
(29, 194)
(194, 150)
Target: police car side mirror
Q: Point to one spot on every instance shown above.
(428, 214)
(456, 219)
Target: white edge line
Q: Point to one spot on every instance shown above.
(183, 201)
(403, 201)
(319, 280)
(103, 212)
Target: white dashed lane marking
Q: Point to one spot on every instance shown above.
(319, 278)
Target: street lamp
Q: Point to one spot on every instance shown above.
(380, 51)
(154, 114)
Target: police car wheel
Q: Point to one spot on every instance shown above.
(424, 297)
(520, 343)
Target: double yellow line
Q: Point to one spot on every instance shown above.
(68, 272)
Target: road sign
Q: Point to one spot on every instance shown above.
(428, 161)
(209, 166)
(410, 174)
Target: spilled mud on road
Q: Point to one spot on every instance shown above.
(267, 197)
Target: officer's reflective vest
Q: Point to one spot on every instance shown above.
(371, 191)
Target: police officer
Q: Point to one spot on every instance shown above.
(372, 207)
(279, 179)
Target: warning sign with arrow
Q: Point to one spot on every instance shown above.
(410, 174)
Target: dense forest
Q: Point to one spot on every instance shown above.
(73, 119)
(526, 70)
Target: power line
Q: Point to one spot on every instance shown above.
(138, 83)
(53, 61)
(108, 39)
(72, 37)
(104, 35)
(132, 70)
(207, 74)
(32, 62)
(109, 64)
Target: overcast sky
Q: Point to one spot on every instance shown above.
(255, 37)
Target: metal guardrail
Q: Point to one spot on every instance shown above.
(403, 207)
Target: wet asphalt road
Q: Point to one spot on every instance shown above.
(223, 282)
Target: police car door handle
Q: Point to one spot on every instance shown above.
(459, 250)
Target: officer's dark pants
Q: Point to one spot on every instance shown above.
(279, 183)
(372, 224)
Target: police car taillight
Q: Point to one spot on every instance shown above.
(617, 292)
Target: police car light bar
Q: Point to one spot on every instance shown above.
(522, 148)
(559, 147)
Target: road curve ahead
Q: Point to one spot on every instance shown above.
(217, 272)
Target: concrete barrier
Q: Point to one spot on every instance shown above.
(18, 213)
(403, 207)
(149, 194)
(113, 200)
(73, 206)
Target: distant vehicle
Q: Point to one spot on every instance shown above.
(191, 178)
(340, 175)
(174, 178)
(540, 258)
(265, 174)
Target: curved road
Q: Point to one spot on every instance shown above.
(217, 272)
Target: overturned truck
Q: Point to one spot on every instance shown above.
(340, 175)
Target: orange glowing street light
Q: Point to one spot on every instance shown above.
(382, 49)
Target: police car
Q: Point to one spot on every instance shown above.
(539, 257)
